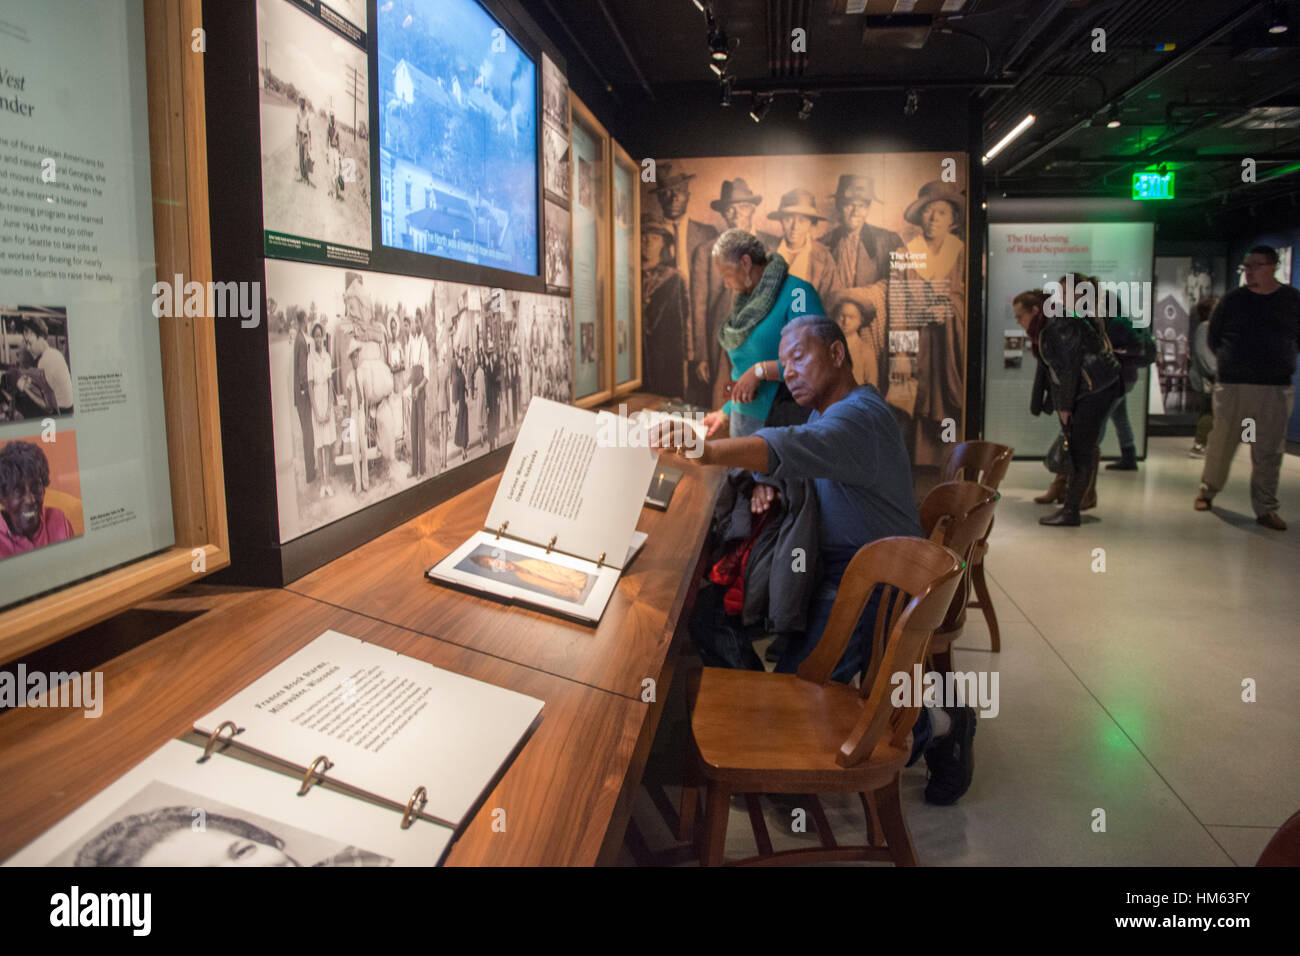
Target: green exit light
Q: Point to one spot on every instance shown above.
(1153, 186)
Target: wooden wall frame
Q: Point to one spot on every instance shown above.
(178, 167)
(579, 114)
(618, 156)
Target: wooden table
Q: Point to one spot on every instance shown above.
(568, 793)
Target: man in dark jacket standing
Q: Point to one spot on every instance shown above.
(1255, 335)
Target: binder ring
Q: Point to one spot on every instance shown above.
(213, 737)
(551, 544)
(501, 530)
(307, 780)
(601, 560)
(413, 806)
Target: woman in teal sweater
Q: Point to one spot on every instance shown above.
(767, 297)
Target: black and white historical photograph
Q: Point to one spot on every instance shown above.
(556, 172)
(35, 363)
(163, 825)
(559, 246)
(315, 135)
(555, 95)
(381, 381)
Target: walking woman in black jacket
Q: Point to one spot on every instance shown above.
(1084, 379)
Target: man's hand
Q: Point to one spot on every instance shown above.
(762, 498)
(1065, 418)
(670, 438)
(716, 424)
(746, 387)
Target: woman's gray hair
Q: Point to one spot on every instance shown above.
(734, 243)
(828, 330)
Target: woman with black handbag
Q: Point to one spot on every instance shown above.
(1084, 380)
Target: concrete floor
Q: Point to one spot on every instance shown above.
(1119, 690)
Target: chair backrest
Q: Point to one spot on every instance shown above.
(958, 515)
(1284, 848)
(982, 461)
(918, 578)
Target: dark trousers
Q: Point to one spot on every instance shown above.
(1086, 423)
(308, 439)
(417, 431)
(722, 641)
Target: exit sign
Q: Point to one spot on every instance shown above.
(1153, 186)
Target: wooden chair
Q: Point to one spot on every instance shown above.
(1284, 848)
(958, 515)
(755, 732)
(986, 462)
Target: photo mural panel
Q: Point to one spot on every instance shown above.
(84, 478)
(314, 111)
(380, 382)
(880, 236)
(1026, 256)
(458, 120)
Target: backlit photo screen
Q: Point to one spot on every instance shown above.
(458, 138)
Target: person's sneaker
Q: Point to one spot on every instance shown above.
(1271, 520)
(951, 759)
(1203, 502)
(1198, 450)
(1125, 463)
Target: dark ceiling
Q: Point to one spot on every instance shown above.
(1196, 84)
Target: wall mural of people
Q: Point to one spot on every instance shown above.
(380, 382)
(881, 237)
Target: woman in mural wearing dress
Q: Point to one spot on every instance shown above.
(320, 381)
(933, 301)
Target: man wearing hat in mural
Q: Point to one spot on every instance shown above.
(711, 300)
(860, 250)
(932, 299)
(808, 259)
(673, 190)
(665, 309)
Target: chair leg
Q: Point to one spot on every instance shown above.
(875, 835)
(986, 605)
(823, 825)
(718, 808)
(897, 836)
(762, 839)
(688, 811)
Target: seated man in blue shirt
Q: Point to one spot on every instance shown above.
(852, 452)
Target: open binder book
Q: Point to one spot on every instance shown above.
(346, 754)
(562, 526)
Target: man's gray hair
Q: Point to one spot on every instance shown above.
(828, 330)
(734, 243)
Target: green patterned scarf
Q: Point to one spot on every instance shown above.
(751, 308)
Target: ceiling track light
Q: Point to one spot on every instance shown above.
(726, 84)
(1006, 141)
(911, 103)
(806, 106)
(1277, 22)
(761, 105)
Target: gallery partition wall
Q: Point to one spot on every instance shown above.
(433, 243)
